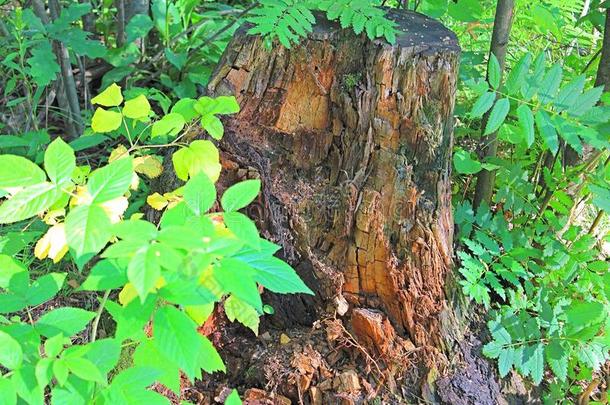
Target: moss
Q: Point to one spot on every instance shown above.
(350, 81)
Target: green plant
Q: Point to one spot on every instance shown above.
(170, 274)
(543, 275)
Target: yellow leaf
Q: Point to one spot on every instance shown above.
(115, 208)
(105, 121)
(284, 339)
(81, 197)
(206, 279)
(119, 152)
(137, 107)
(199, 313)
(53, 244)
(148, 165)
(127, 294)
(135, 182)
(157, 201)
(111, 97)
(51, 216)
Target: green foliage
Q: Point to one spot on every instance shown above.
(171, 275)
(290, 20)
(528, 259)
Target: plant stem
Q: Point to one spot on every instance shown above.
(98, 315)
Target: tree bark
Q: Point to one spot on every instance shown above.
(353, 139)
(603, 71)
(499, 41)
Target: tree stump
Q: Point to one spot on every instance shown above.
(352, 139)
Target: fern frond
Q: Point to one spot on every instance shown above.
(291, 20)
(361, 15)
(286, 20)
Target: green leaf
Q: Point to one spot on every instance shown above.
(111, 97)
(135, 230)
(9, 267)
(147, 355)
(547, 130)
(104, 354)
(209, 360)
(105, 275)
(84, 369)
(111, 181)
(171, 125)
(497, 116)
(139, 25)
(106, 121)
(464, 164)
(213, 125)
(26, 384)
(505, 361)
(17, 171)
(185, 107)
(244, 313)
(129, 387)
(218, 105)
(581, 314)
(516, 77)
(494, 72)
(557, 357)
(199, 156)
(535, 363)
(550, 84)
(233, 398)
(43, 64)
(569, 93)
(87, 229)
(66, 320)
(59, 161)
(176, 338)
(275, 274)
(144, 270)
(7, 389)
(11, 354)
(137, 108)
(44, 288)
(236, 277)
(199, 193)
(242, 227)
(28, 202)
(586, 101)
(483, 104)
(601, 197)
(240, 195)
(526, 121)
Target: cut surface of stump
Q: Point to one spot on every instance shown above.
(352, 139)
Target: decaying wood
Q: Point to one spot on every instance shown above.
(354, 139)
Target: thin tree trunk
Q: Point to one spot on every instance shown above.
(67, 75)
(62, 100)
(499, 42)
(603, 71)
(121, 23)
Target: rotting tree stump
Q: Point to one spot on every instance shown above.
(352, 139)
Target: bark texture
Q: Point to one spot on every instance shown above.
(352, 139)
